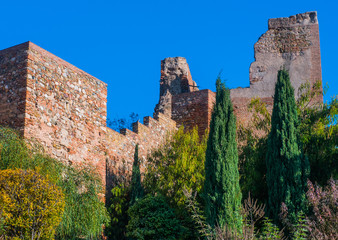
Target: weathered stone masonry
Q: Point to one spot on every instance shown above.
(64, 108)
(291, 43)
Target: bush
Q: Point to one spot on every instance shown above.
(152, 218)
(32, 206)
(118, 211)
(176, 166)
(84, 213)
(323, 222)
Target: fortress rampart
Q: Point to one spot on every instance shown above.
(64, 108)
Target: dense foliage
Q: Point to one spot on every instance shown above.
(287, 167)
(252, 147)
(176, 166)
(319, 136)
(119, 205)
(136, 187)
(151, 218)
(178, 173)
(221, 188)
(31, 205)
(319, 132)
(84, 213)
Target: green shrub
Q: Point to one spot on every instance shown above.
(31, 205)
(270, 231)
(176, 166)
(119, 205)
(151, 218)
(84, 213)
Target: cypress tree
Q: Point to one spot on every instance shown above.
(136, 187)
(221, 187)
(287, 167)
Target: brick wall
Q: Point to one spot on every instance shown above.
(193, 108)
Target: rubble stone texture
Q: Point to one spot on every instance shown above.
(175, 79)
(64, 108)
(291, 43)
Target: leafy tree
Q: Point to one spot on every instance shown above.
(136, 187)
(319, 132)
(120, 203)
(287, 167)
(252, 147)
(177, 166)
(152, 218)
(221, 188)
(31, 205)
(85, 213)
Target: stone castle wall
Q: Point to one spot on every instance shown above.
(64, 108)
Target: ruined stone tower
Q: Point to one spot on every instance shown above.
(64, 108)
(291, 43)
(175, 79)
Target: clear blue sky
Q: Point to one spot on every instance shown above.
(122, 42)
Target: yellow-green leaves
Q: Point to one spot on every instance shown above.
(176, 166)
(31, 206)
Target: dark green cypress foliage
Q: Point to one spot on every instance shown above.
(287, 167)
(136, 187)
(221, 187)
